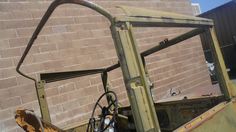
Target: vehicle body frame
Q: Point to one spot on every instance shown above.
(132, 64)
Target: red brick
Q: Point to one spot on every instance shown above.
(9, 82)
(60, 21)
(4, 44)
(17, 15)
(22, 90)
(55, 109)
(59, 29)
(51, 65)
(18, 42)
(71, 104)
(82, 83)
(8, 72)
(33, 68)
(37, 14)
(42, 57)
(5, 114)
(78, 38)
(21, 6)
(5, 53)
(29, 97)
(4, 94)
(51, 91)
(63, 45)
(10, 102)
(6, 34)
(33, 105)
(22, 80)
(6, 63)
(12, 24)
(8, 125)
(26, 32)
(67, 88)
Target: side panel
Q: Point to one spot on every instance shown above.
(223, 121)
(220, 118)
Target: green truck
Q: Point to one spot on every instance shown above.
(200, 114)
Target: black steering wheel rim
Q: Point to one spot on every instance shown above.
(115, 111)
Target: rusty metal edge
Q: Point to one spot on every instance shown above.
(202, 118)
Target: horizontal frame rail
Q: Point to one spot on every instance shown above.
(165, 44)
(58, 76)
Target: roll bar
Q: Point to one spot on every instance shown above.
(45, 18)
(50, 77)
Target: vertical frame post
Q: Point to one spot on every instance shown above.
(135, 79)
(42, 101)
(222, 75)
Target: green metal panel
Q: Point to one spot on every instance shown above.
(223, 121)
(220, 118)
(145, 17)
(142, 12)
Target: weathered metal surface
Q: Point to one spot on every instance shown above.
(31, 123)
(167, 43)
(142, 12)
(228, 90)
(218, 119)
(143, 17)
(130, 60)
(173, 114)
(43, 101)
(58, 76)
(135, 80)
(164, 44)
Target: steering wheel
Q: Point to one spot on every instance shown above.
(107, 112)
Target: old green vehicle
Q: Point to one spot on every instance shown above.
(200, 114)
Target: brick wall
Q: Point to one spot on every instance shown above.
(77, 38)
